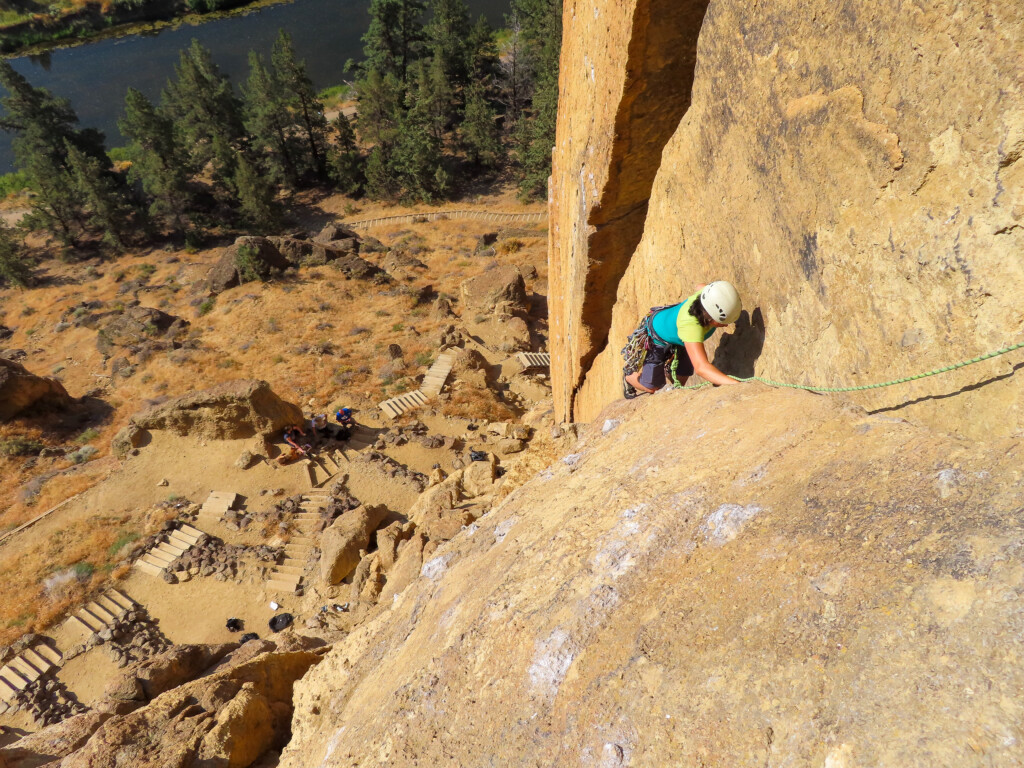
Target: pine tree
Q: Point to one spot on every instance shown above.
(447, 35)
(205, 111)
(14, 268)
(269, 123)
(394, 38)
(307, 110)
(158, 162)
(480, 136)
(482, 62)
(106, 207)
(255, 197)
(346, 161)
(44, 127)
(381, 107)
(434, 96)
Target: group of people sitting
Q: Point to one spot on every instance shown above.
(320, 428)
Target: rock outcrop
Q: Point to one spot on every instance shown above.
(855, 169)
(231, 716)
(21, 391)
(137, 327)
(248, 258)
(681, 591)
(229, 411)
(341, 542)
(495, 308)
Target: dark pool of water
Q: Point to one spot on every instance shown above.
(95, 76)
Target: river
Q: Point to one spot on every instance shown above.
(95, 76)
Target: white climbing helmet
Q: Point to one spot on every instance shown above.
(721, 301)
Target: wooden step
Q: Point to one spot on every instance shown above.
(7, 688)
(79, 623)
(156, 557)
(49, 654)
(189, 530)
(25, 669)
(121, 599)
(92, 624)
(181, 540)
(169, 550)
(160, 565)
(281, 586)
(14, 679)
(110, 605)
(291, 570)
(149, 568)
(37, 661)
(294, 562)
(101, 613)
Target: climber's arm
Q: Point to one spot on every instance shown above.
(703, 367)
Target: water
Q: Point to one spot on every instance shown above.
(95, 76)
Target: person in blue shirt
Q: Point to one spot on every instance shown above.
(685, 327)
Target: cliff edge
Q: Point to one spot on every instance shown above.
(854, 168)
(685, 590)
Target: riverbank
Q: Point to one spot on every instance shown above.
(42, 33)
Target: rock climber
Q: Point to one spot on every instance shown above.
(671, 330)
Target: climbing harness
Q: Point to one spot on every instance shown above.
(639, 342)
(677, 385)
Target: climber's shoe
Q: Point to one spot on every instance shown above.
(628, 391)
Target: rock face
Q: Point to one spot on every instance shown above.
(652, 599)
(228, 411)
(21, 390)
(866, 202)
(496, 306)
(248, 258)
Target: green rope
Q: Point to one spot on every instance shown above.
(1003, 351)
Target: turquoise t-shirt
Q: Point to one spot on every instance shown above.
(677, 326)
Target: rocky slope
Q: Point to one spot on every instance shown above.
(854, 168)
(683, 590)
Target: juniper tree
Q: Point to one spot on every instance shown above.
(381, 107)
(481, 139)
(206, 113)
(44, 126)
(269, 122)
(302, 102)
(394, 38)
(14, 268)
(255, 197)
(104, 204)
(346, 161)
(158, 161)
(446, 37)
(434, 96)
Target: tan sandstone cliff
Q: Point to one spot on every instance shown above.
(828, 588)
(855, 168)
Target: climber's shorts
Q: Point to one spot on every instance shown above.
(653, 374)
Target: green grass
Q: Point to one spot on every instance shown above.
(121, 541)
(206, 306)
(88, 436)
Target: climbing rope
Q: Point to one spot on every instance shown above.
(1003, 351)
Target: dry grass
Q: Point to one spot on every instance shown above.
(315, 337)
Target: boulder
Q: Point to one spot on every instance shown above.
(244, 730)
(478, 478)
(21, 391)
(505, 333)
(296, 252)
(497, 291)
(248, 258)
(337, 233)
(348, 263)
(138, 326)
(340, 544)
(228, 411)
(510, 445)
(151, 677)
(443, 496)
(126, 439)
(245, 460)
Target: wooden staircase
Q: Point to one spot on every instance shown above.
(103, 612)
(533, 360)
(180, 540)
(396, 406)
(438, 374)
(26, 667)
(215, 507)
(287, 575)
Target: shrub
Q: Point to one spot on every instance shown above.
(512, 245)
(20, 446)
(250, 268)
(88, 436)
(206, 306)
(10, 183)
(397, 327)
(121, 542)
(83, 454)
(147, 269)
